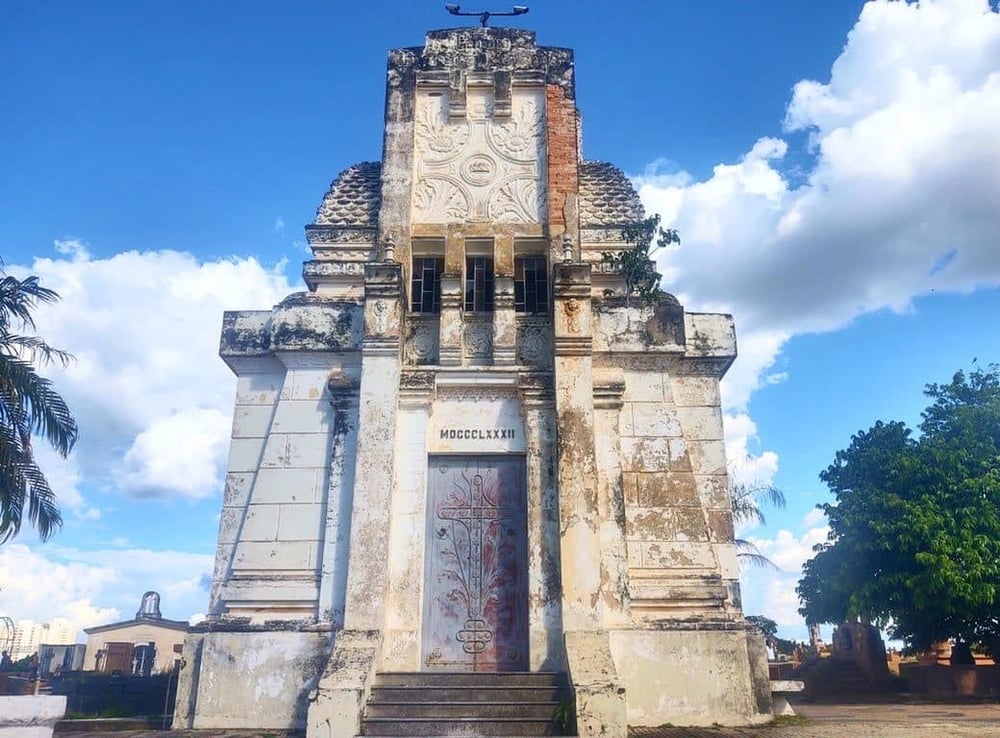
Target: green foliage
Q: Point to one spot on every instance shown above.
(914, 542)
(29, 407)
(747, 499)
(565, 717)
(765, 625)
(635, 264)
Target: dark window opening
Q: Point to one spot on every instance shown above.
(531, 285)
(425, 288)
(479, 284)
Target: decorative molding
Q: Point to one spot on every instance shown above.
(422, 343)
(478, 337)
(534, 341)
(458, 393)
(332, 269)
(321, 235)
(610, 234)
(700, 367)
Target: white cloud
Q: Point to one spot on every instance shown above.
(901, 199)
(279, 224)
(152, 400)
(814, 518)
(41, 583)
(179, 453)
(772, 593)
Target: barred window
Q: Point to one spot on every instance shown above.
(479, 284)
(531, 284)
(425, 288)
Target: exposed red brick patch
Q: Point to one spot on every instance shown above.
(563, 156)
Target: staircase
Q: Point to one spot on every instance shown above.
(465, 704)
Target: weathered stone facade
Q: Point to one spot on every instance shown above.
(460, 339)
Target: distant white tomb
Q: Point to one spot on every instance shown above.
(462, 451)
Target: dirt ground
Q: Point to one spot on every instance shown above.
(813, 721)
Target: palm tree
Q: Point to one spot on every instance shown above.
(29, 407)
(747, 500)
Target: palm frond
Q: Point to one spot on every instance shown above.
(29, 406)
(24, 393)
(18, 297)
(748, 553)
(33, 349)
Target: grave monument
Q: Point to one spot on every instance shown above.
(461, 459)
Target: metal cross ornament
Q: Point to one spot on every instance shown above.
(485, 15)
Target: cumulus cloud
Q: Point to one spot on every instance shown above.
(152, 401)
(900, 199)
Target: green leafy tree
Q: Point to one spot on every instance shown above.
(747, 499)
(765, 625)
(914, 543)
(29, 407)
(636, 265)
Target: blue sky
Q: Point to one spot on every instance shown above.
(832, 168)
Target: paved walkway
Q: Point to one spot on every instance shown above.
(817, 721)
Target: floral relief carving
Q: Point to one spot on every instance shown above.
(437, 136)
(478, 338)
(515, 201)
(518, 138)
(441, 196)
(477, 167)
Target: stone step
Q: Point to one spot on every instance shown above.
(543, 711)
(464, 694)
(469, 726)
(469, 679)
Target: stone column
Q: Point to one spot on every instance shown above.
(600, 696)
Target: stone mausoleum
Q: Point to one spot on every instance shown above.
(462, 463)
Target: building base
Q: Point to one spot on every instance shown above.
(248, 680)
(693, 674)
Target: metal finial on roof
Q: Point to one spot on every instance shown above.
(485, 15)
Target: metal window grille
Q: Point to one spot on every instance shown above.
(479, 284)
(425, 292)
(531, 285)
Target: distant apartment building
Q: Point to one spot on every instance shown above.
(28, 635)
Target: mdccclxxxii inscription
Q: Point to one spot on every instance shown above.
(478, 434)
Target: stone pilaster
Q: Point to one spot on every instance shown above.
(600, 695)
(545, 589)
(578, 511)
(401, 646)
(335, 705)
(380, 367)
(343, 389)
(609, 386)
(504, 322)
(450, 325)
